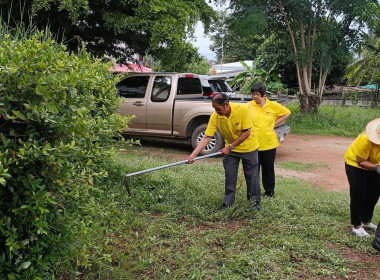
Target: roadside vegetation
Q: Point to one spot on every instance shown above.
(331, 120)
(58, 121)
(171, 227)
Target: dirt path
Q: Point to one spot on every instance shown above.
(325, 151)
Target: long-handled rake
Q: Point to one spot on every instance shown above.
(126, 176)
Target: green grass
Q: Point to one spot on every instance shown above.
(301, 166)
(331, 120)
(171, 227)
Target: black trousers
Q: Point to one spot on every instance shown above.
(376, 240)
(364, 193)
(251, 174)
(266, 163)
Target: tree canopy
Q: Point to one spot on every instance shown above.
(232, 45)
(185, 59)
(112, 27)
(318, 30)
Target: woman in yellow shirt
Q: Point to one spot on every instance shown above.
(266, 115)
(362, 162)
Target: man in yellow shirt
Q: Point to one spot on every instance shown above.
(266, 115)
(233, 122)
(362, 162)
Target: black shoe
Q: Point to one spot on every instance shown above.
(223, 207)
(376, 240)
(376, 244)
(255, 204)
(269, 194)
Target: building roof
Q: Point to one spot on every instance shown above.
(233, 66)
(136, 68)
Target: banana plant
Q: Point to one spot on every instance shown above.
(245, 80)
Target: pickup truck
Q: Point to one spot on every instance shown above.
(172, 105)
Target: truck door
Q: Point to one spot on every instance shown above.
(134, 89)
(159, 117)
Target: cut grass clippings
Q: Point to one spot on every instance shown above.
(171, 227)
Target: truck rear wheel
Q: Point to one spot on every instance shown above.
(216, 143)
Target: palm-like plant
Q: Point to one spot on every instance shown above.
(366, 68)
(255, 73)
(366, 64)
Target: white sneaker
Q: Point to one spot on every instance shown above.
(360, 232)
(369, 226)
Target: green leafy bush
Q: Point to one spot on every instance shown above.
(58, 121)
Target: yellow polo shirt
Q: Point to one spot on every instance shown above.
(363, 148)
(263, 121)
(232, 127)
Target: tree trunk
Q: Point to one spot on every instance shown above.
(375, 100)
(305, 89)
(343, 98)
(314, 102)
(304, 102)
(309, 103)
(303, 51)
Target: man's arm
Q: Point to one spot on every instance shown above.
(245, 134)
(201, 145)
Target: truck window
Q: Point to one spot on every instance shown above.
(219, 86)
(189, 86)
(133, 87)
(161, 88)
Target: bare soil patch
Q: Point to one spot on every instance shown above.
(370, 264)
(324, 150)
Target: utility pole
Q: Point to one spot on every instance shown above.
(223, 29)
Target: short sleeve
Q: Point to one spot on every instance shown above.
(246, 122)
(281, 110)
(363, 146)
(250, 110)
(211, 126)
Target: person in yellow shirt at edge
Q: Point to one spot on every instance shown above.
(266, 115)
(234, 123)
(362, 163)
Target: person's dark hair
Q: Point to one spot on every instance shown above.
(220, 98)
(259, 87)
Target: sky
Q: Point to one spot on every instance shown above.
(203, 42)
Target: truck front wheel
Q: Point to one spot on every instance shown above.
(216, 143)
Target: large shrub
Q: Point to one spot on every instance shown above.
(58, 120)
